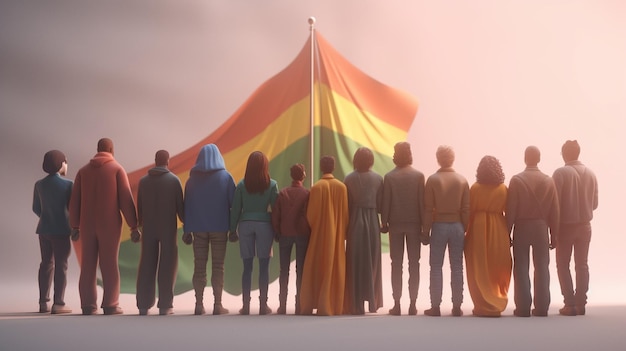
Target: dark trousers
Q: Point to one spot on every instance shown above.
(397, 239)
(55, 250)
(574, 237)
(286, 244)
(527, 234)
(159, 260)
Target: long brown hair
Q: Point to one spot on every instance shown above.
(257, 177)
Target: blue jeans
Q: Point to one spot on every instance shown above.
(452, 236)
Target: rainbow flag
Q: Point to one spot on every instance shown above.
(351, 110)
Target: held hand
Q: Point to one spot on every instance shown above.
(553, 243)
(233, 237)
(425, 238)
(187, 238)
(276, 236)
(75, 234)
(384, 229)
(135, 236)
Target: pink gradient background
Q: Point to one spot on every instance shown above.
(492, 77)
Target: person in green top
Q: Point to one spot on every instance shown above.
(251, 223)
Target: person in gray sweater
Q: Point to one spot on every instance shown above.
(159, 205)
(401, 216)
(577, 189)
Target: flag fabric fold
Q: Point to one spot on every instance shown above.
(351, 110)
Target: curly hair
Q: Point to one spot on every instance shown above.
(489, 171)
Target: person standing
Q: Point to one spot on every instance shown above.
(251, 221)
(577, 189)
(487, 243)
(363, 252)
(324, 275)
(446, 213)
(101, 191)
(291, 229)
(402, 216)
(209, 195)
(159, 206)
(532, 211)
(51, 199)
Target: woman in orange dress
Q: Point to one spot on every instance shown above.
(487, 244)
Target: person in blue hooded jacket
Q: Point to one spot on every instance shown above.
(209, 194)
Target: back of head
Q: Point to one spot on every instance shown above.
(489, 171)
(257, 177)
(363, 159)
(570, 150)
(327, 164)
(53, 161)
(445, 156)
(162, 158)
(105, 145)
(402, 155)
(297, 172)
(532, 156)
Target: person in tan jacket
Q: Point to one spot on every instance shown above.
(100, 195)
(446, 215)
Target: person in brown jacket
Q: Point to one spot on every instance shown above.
(159, 204)
(101, 191)
(446, 212)
(291, 229)
(532, 209)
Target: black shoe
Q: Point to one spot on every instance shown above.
(395, 311)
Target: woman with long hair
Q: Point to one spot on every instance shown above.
(487, 244)
(251, 222)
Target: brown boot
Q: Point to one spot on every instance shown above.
(263, 308)
(219, 309)
(395, 310)
(433, 312)
(412, 308)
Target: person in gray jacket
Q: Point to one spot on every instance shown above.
(532, 211)
(159, 205)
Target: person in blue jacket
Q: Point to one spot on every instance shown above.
(209, 194)
(51, 204)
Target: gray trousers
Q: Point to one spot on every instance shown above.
(576, 237)
(527, 234)
(452, 236)
(397, 239)
(159, 259)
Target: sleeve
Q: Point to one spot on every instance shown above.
(235, 210)
(180, 201)
(429, 205)
(75, 202)
(385, 202)
(511, 204)
(139, 204)
(125, 198)
(277, 213)
(465, 206)
(36, 201)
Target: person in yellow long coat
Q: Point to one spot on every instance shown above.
(324, 273)
(487, 244)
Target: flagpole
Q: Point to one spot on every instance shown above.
(312, 106)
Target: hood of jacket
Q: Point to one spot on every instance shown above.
(101, 158)
(158, 170)
(209, 159)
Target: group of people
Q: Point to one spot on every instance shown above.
(335, 228)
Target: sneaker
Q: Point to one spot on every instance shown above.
(143, 311)
(433, 312)
(219, 309)
(567, 311)
(395, 311)
(538, 313)
(199, 310)
(88, 311)
(520, 313)
(60, 309)
(43, 307)
(166, 311)
(580, 310)
(457, 311)
(412, 310)
(110, 311)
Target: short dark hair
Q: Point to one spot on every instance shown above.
(162, 158)
(402, 155)
(363, 159)
(570, 150)
(327, 164)
(105, 145)
(297, 172)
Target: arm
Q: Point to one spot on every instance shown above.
(36, 201)
(125, 198)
